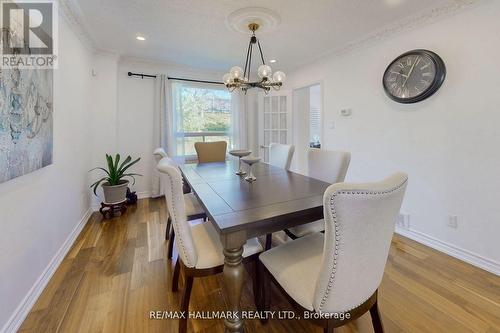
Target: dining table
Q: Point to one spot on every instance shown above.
(240, 210)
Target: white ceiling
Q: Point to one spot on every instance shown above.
(194, 32)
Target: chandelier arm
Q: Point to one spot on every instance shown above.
(246, 60)
(261, 55)
(250, 61)
(244, 84)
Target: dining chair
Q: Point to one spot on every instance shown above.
(336, 275)
(281, 155)
(199, 247)
(194, 210)
(159, 153)
(211, 151)
(328, 166)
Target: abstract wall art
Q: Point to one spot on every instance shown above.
(26, 124)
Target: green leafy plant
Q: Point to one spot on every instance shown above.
(115, 172)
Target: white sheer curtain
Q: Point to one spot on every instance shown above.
(239, 121)
(162, 127)
(177, 117)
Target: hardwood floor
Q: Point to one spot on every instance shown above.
(116, 273)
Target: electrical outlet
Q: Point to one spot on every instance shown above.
(452, 221)
(403, 221)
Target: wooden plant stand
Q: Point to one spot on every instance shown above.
(110, 210)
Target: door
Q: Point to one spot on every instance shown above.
(275, 120)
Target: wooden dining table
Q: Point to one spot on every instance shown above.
(240, 210)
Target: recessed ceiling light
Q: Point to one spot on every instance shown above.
(141, 38)
(272, 61)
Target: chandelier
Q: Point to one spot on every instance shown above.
(237, 78)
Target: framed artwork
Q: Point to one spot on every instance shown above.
(26, 124)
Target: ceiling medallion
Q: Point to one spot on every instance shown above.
(237, 78)
(267, 19)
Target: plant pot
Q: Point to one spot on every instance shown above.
(115, 193)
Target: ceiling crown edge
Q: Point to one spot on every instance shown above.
(72, 13)
(410, 23)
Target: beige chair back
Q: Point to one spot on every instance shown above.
(281, 155)
(328, 165)
(211, 151)
(359, 224)
(172, 180)
(159, 153)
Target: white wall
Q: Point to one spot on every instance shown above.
(448, 144)
(136, 101)
(103, 114)
(39, 211)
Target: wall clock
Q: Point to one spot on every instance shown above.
(414, 76)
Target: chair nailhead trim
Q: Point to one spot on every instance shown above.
(174, 222)
(336, 223)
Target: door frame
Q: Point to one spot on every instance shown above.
(322, 104)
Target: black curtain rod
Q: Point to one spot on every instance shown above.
(172, 78)
(141, 75)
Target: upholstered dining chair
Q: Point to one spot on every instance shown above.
(328, 166)
(281, 155)
(194, 210)
(199, 246)
(211, 151)
(159, 153)
(338, 273)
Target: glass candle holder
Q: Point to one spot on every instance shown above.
(250, 161)
(240, 153)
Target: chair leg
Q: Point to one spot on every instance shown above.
(185, 303)
(290, 234)
(376, 320)
(175, 278)
(167, 232)
(171, 244)
(269, 241)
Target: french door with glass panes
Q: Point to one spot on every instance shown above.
(275, 120)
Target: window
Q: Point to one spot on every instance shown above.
(202, 112)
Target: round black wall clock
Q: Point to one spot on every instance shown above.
(414, 76)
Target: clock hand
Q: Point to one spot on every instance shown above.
(411, 71)
(397, 73)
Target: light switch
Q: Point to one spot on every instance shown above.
(331, 124)
(345, 112)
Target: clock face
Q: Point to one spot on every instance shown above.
(414, 76)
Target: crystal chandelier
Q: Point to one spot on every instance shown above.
(237, 78)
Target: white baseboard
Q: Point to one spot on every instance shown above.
(452, 250)
(143, 194)
(29, 300)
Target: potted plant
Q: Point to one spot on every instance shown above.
(114, 185)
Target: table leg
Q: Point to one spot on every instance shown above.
(233, 285)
